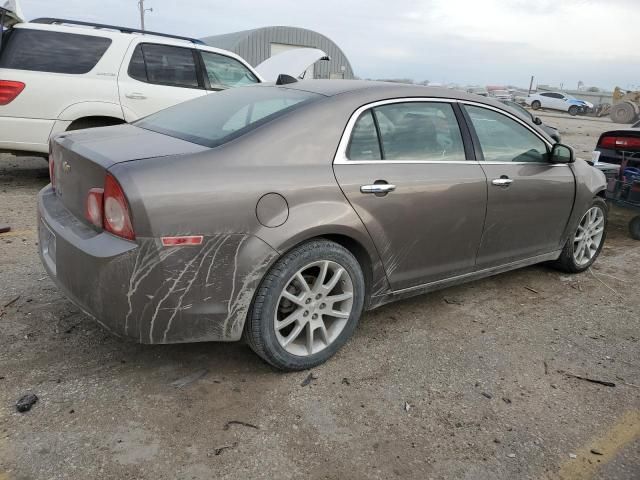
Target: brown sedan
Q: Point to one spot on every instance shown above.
(281, 212)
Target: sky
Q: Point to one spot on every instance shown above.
(483, 42)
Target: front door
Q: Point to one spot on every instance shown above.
(529, 199)
(405, 172)
(156, 77)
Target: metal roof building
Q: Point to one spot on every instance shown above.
(257, 45)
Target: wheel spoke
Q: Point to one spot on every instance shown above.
(335, 279)
(295, 333)
(338, 314)
(292, 298)
(303, 283)
(324, 335)
(333, 299)
(309, 339)
(294, 317)
(322, 276)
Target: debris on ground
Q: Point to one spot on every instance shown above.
(546, 367)
(573, 455)
(506, 400)
(26, 402)
(345, 381)
(592, 380)
(532, 290)
(310, 378)
(219, 450)
(488, 395)
(511, 455)
(452, 301)
(4, 228)
(407, 406)
(227, 425)
(11, 302)
(189, 379)
(596, 452)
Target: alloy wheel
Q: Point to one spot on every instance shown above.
(588, 238)
(313, 308)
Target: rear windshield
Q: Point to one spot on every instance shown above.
(220, 117)
(54, 52)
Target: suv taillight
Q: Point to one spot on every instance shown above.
(116, 216)
(52, 172)
(9, 90)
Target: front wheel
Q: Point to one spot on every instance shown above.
(307, 306)
(573, 110)
(536, 105)
(584, 246)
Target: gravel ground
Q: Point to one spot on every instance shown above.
(467, 383)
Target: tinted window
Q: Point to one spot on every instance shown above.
(54, 52)
(226, 72)
(364, 143)
(216, 119)
(164, 65)
(505, 140)
(550, 95)
(419, 131)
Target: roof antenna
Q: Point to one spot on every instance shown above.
(284, 79)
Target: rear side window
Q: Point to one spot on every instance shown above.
(53, 52)
(422, 131)
(224, 72)
(216, 119)
(164, 65)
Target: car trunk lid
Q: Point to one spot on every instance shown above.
(82, 158)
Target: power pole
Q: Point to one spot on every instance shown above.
(531, 84)
(142, 12)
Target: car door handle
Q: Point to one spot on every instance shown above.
(378, 188)
(501, 182)
(135, 96)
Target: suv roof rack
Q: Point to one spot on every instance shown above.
(51, 21)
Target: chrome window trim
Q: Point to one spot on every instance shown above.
(340, 157)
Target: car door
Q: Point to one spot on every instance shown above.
(529, 198)
(403, 166)
(157, 76)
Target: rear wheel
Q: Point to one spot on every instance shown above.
(634, 228)
(536, 105)
(307, 306)
(586, 243)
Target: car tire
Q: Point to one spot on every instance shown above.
(622, 113)
(284, 343)
(570, 260)
(634, 228)
(536, 105)
(573, 110)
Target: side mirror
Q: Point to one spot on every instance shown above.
(537, 120)
(561, 153)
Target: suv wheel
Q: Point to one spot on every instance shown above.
(307, 306)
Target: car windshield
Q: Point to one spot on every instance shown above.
(220, 117)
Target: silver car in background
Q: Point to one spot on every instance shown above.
(279, 213)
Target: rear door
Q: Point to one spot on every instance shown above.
(529, 199)
(156, 76)
(403, 166)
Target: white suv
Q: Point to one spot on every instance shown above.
(58, 75)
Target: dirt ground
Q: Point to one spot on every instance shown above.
(466, 383)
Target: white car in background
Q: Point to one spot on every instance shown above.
(58, 75)
(558, 101)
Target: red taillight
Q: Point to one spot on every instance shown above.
(620, 143)
(9, 91)
(116, 210)
(52, 172)
(93, 209)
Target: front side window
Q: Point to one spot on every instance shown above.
(216, 119)
(52, 52)
(502, 139)
(164, 65)
(225, 72)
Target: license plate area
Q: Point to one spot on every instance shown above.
(47, 240)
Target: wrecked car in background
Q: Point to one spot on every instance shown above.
(281, 212)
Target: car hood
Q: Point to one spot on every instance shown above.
(12, 13)
(292, 62)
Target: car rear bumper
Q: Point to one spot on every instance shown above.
(148, 292)
(25, 134)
